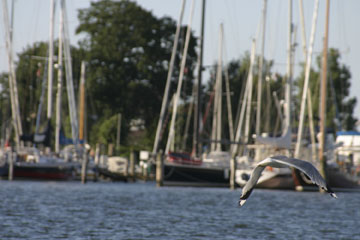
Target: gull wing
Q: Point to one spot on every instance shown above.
(250, 184)
(307, 168)
(282, 161)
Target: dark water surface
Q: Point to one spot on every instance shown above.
(69, 210)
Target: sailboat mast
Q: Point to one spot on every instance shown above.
(197, 145)
(180, 81)
(168, 80)
(51, 59)
(249, 95)
(59, 84)
(303, 33)
(305, 93)
(247, 92)
(219, 122)
(69, 79)
(228, 104)
(258, 109)
(216, 130)
(12, 19)
(82, 102)
(323, 95)
(289, 75)
(309, 101)
(15, 109)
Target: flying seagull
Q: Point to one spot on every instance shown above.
(281, 162)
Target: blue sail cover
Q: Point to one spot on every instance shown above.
(68, 141)
(342, 133)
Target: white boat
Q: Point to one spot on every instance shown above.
(271, 178)
(114, 168)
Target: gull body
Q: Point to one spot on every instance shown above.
(282, 162)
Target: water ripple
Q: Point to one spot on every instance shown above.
(69, 210)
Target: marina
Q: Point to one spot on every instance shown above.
(131, 133)
(213, 157)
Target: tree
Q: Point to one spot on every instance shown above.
(339, 105)
(128, 50)
(31, 69)
(5, 109)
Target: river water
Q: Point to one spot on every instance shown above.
(69, 210)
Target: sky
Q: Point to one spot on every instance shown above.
(239, 17)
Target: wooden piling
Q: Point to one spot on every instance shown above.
(110, 149)
(126, 168)
(97, 154)
(232, 173)
(145, 172)
(84, 167)
(11, 158)
(96, 162)
(159, 170)
(132, 166)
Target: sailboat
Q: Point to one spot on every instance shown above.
(336, 177)
(294, 179)
(273, 178)
(182, 168)
(30, 162)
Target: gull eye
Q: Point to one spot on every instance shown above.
(245, 177)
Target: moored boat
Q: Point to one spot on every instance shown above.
(44, 171)
(183, 170)
(29, 163)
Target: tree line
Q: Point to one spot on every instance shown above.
(127, 51)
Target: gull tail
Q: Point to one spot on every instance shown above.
(329, 190)
(242, 202)
(333, 195)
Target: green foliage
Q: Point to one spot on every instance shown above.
(29, 76)
(128, 50)
(5, 109)
(31, 69)
(107, 130)
(339, 106)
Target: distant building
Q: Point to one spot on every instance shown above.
(137, 131)
(350, 149)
